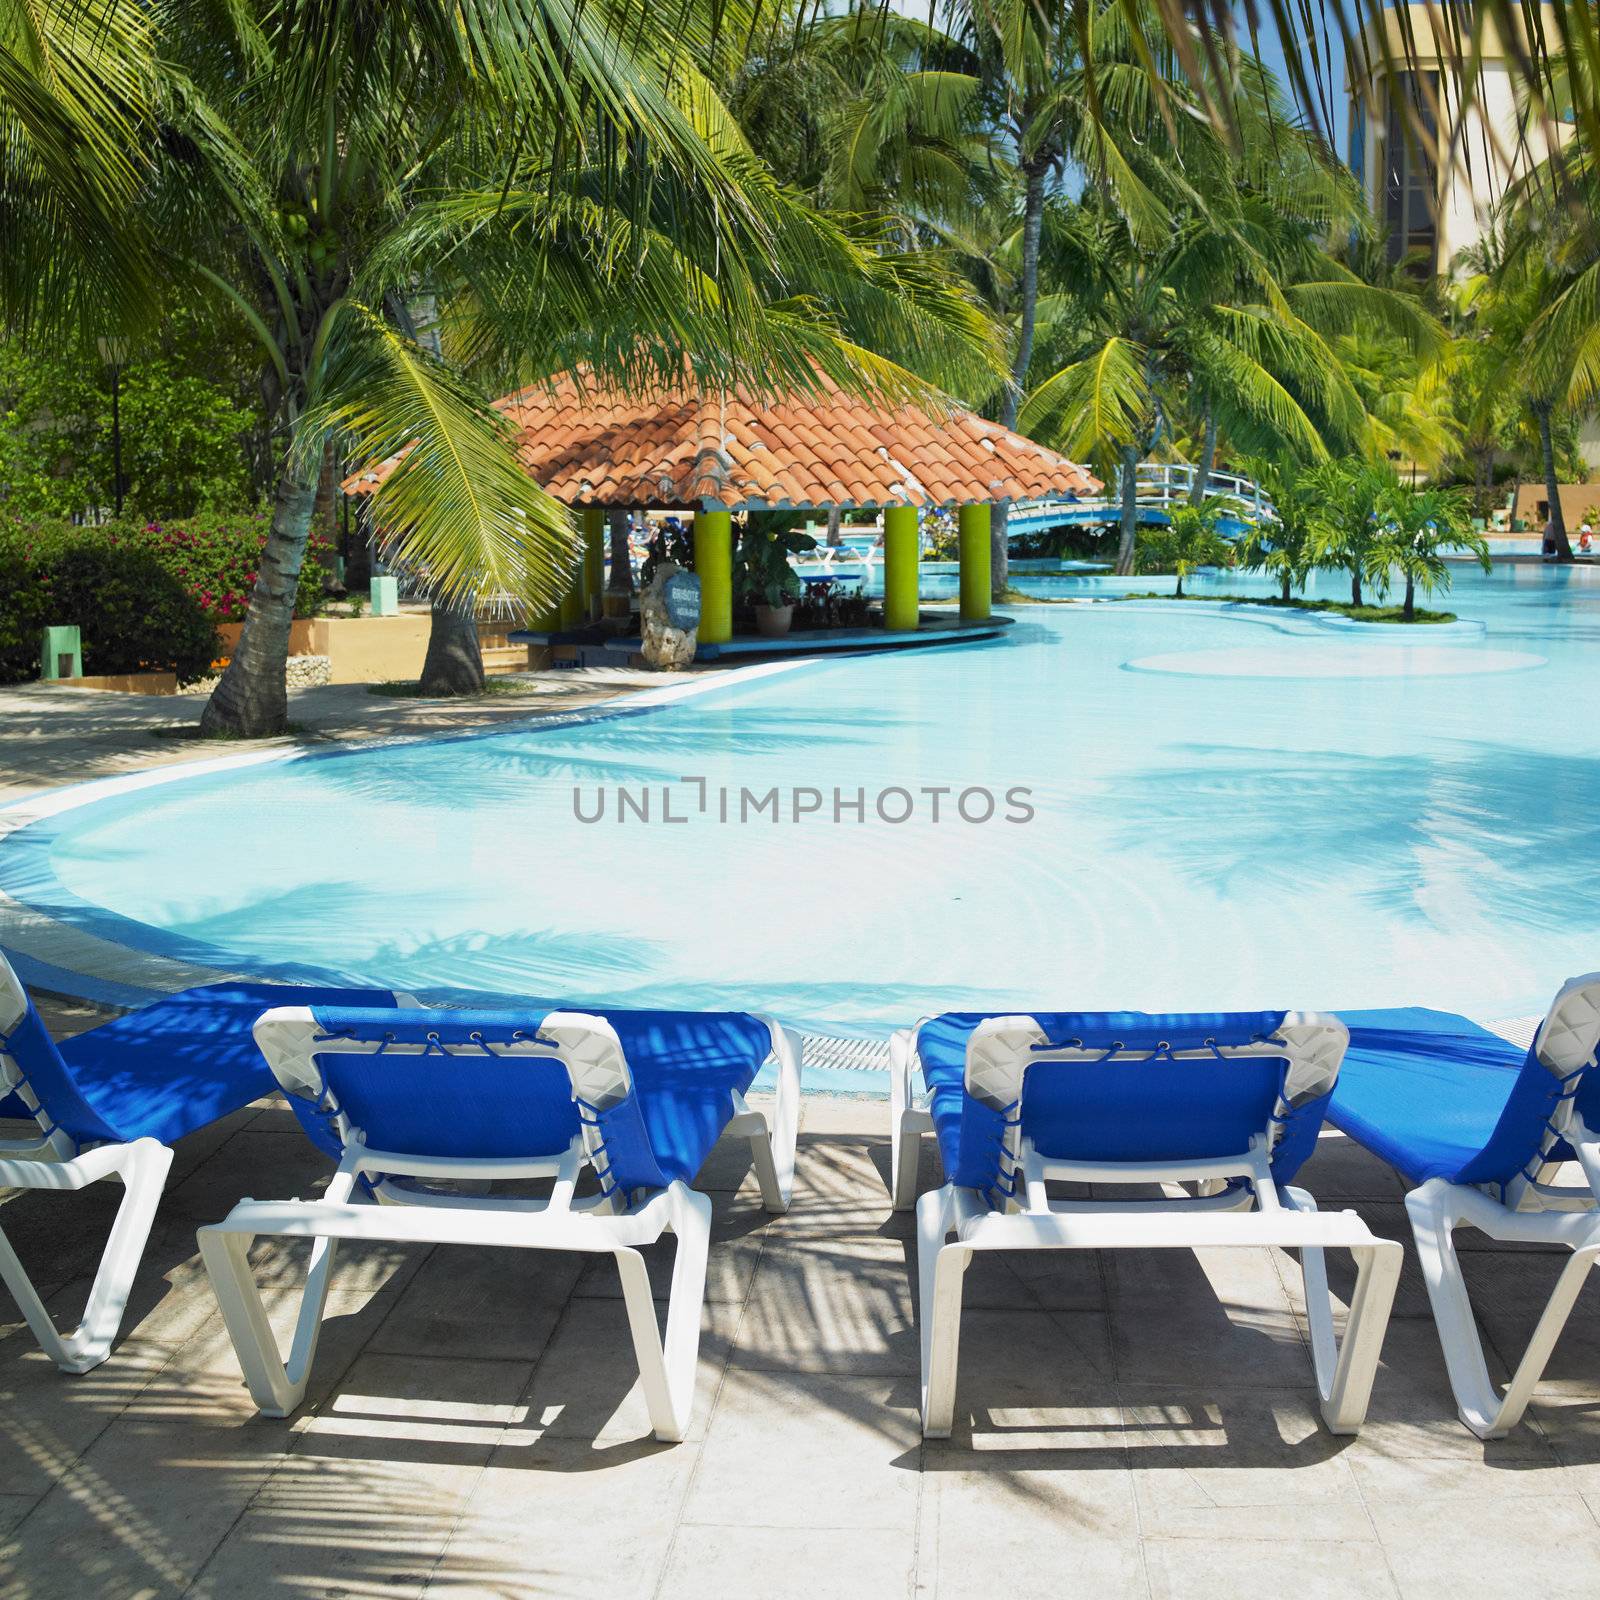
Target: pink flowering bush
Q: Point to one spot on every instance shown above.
(147, 596)
(217, 558)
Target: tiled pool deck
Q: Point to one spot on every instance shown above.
(1138, 1425)
(1128, 1424)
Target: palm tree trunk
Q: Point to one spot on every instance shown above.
(251, 701)
(1208, 457)
(619, 579)
(454, 663)
(834, 515)
(1130, 511)
(1286, 586)
(1409, 611)
(1177, 594)
(325, 514)
(1552, 484)
(1355, 586)
(1032, 228)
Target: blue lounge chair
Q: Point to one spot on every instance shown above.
(407, 1099)
(1228, 1103)
(110, 1103)
(1479, 1128)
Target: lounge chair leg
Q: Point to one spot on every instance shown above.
(276, 1386)
(1345, 1371)
(907, 1124)
(772, 1146)
(668, 1369)
(1435, 1215)
(142, 1165)
(940, 1270)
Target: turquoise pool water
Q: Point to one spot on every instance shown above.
(1231, 807)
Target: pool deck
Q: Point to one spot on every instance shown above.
(50, 736)
(1128, 1424)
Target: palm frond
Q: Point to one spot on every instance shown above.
(458, 507)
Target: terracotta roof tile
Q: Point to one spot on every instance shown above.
(682, 449)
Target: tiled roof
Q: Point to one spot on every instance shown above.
(732, 452)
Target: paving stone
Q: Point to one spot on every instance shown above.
(839, 1304)
(1043, 1530)
(1314, 1569)
(810, 1451)
(1213, 1464)
(739, 1229)
(586, 1384)
(341, 1525)
(142, 1509)
(1489, 1547)
(787, 1563)
(475, 1302)
(1127, 1422)
(558, 1517)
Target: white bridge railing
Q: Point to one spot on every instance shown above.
(1167, 483)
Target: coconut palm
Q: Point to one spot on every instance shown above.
(564, 184)
(82, 94)
(1229, 314)
(872, 112)
(1154, 325)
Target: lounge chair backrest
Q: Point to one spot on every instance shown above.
(32, 1070)
(1129, 1087)
(462, 1085)
(1558, 1077)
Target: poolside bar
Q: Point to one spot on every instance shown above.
(710, 455)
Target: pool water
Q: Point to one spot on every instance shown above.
(1224, 806)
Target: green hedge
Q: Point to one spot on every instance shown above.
(146, 597)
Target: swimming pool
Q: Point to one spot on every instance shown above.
(1228, 807)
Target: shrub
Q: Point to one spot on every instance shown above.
(216, 559)
(132, 614)
(147, 596)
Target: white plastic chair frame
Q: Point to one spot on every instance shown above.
(1217, 1212)
(616, 1224)
(54, 1161)
(1534, 1210)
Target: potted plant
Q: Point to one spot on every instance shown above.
(767, 580)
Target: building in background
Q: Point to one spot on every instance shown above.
(1434, 203)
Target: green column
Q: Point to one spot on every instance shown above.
(713, 565)
(901, 553)
(974, 526)
(60, 653)
(572, 602)
(594, 560)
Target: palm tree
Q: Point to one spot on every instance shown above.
(1231, 311)
(566, 186)
(1416, 527)
(1286, 548)
(1153, 325)
(82, 97)
(1358, 493)
(1191, 541)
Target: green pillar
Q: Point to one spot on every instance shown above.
(713, 565)
(571, 615)
(901, 554)
(594, 560)
(60, 654)
(974, 535)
